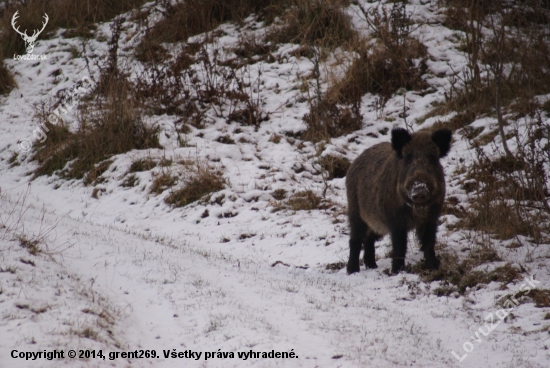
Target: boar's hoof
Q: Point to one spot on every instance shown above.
(352, 267)
(370, 264)
(432, 263)
(397, 265)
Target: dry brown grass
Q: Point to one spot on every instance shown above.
(110, 126)
(304, 200)
(395, 61)
(335, 166)
(540, 297)
(79, 16)
(203, 180)
(512, 194)
(329, 119)
(459, 275)
(315, 22)
(7, 83)
(164, 180)
(517, 37)
(142, 164)
(191, 17)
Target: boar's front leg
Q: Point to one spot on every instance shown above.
(426, 234)
(357, 231)
(399, 242)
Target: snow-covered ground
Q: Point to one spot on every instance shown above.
(126, 272)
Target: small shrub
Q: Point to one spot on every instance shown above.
(204, 181)
(389, 64)
(328, 119)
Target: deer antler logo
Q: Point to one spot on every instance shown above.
(29, 40)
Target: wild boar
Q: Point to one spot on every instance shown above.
(394, 188)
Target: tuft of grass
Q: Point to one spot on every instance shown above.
(225, 139)
(94, 174)
(162, 182)
(335, 166)
(142, 164)
(204, 181)
(304, 201)
(31, 245)
(279, 194)
(130, 181)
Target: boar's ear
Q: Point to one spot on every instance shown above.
(399, 138)
(442, 138)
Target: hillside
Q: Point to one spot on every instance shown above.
(173, 177)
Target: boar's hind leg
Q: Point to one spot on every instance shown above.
(399, 245)
(426, 236)
(358, 230)
(368, 256)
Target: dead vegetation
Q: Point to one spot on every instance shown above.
(110, 124)
(114, 126)
(7, 83)
(313, 22)
(78, 17)
(184, 19)
(335, 166)
(506, 46)
(200, 180)
(142, 164)
(456, 275)
(304, 200)
(393, 60)
(224, 87)
(511, 195)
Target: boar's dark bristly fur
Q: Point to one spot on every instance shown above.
(394, 188)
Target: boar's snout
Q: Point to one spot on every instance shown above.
(419, 193)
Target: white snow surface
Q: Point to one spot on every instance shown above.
(127, 272)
